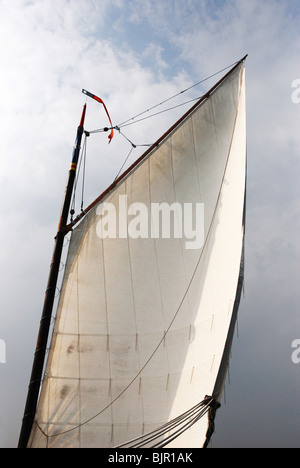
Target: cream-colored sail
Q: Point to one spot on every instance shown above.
(142, 322)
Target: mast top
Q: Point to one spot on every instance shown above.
(82, 116)
(96, 98)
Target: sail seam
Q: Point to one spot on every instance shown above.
(135, 317)
(154, 243)
(177, 217)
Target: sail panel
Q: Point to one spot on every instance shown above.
(143, 320)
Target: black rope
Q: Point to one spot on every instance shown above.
(126, 124)
(83, 171)
(82, 157)
(126, 159)
(175, 427)
(177, 94)
(133, 146)
(133, 120)
(128, 121)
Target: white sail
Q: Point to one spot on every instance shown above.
(142, 323)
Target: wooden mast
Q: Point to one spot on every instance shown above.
(41, 346)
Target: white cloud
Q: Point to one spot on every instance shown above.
(51, 54)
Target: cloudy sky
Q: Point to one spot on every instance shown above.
(134, 54)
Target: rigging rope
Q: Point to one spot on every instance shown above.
(83, 171)
(176, 95)
(132, 120)
(126, 159)
(175, 427)
(161, 112)
(133, 146)
(128, 121)
(82, 157)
